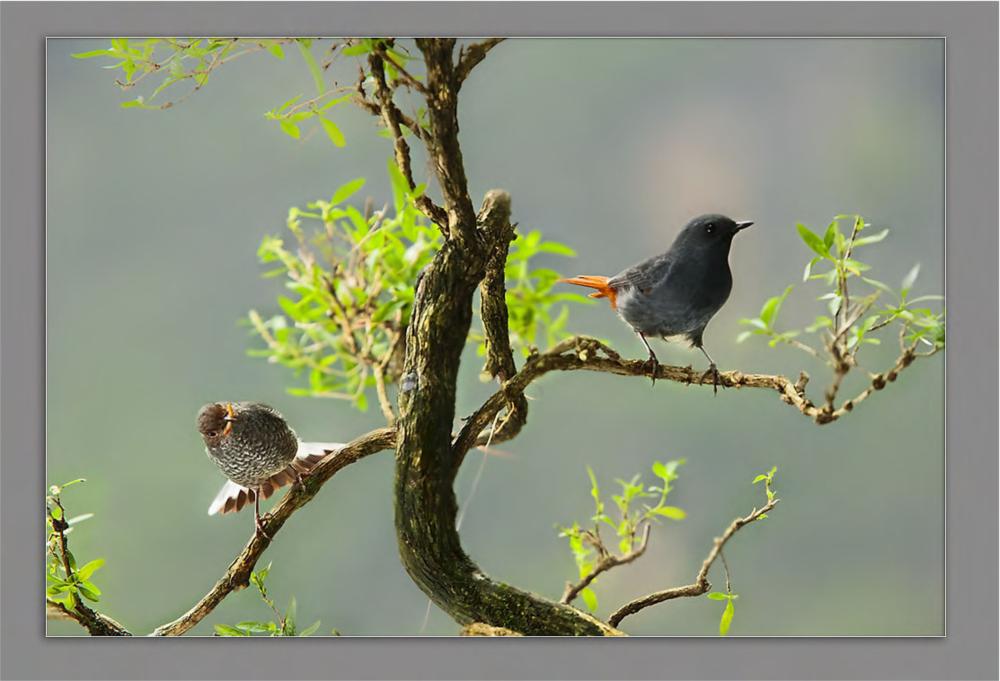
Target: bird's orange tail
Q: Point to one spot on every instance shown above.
(594, 282)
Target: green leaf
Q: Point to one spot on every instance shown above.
(759, 478)
(89, 591)
(671, 512)
(56, 512)
(769, 312)
(314, 69)
(831, 234)
(595, 492)
(557, 248)
(333, 132)
(873, 239)
(345, 191)
(717, 596)
(359, 49)
(813, 241)
(93, 53)
(727, 618)
(226, 630)
(909, 280)
(809, 266)
(288, 626)
(590, 598)
(90, 568)
(310, 630)
(290, 129)
(275, 49)
(400, 187)
(258, 627)
(79, 518)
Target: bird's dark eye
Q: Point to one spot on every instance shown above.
(710, 228)
(213, 433)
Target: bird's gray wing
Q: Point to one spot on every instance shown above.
(646, 275)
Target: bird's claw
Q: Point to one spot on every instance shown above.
(713, 371)
(259, 529)
(651, 366)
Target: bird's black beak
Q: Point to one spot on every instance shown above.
(743, 224)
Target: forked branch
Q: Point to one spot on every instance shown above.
(701, 585)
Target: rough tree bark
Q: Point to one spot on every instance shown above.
(426, 462)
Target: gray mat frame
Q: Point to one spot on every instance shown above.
(968, 651)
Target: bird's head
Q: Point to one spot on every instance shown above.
(710, 233)
(215, 422)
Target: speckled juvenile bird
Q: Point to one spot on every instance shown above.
(677, 293)
(255, 448)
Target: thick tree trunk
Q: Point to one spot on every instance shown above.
(426, 462)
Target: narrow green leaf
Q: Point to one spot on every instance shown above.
(727, 618)
(909, 280)
(310, 630)
(333, 132)
(314, 69)
(93, 53)
(275, 49)
(345, 191)
(89, 591)
(671, 512)
(226, 630)
(590, 598)
(873, 239)
(813, 241)
(717, 596)
(290, 129)
(90, 568)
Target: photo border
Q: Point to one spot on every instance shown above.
(969, 651)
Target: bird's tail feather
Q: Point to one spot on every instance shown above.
(232, 497)
(595, 282)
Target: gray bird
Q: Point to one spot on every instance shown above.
(676, 294)
(255, 448)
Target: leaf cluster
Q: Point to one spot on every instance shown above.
(850, 298)
(283, 624)
(632, 511)
(66, 583)
(350, 279)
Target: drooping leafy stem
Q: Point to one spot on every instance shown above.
(728, 596)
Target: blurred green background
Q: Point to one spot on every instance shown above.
(154, 219)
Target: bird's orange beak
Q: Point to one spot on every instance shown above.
(229, 418)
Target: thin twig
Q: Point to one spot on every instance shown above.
(606, 563)
(701, 585)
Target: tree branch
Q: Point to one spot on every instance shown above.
(238, 574)
(470, 56)
(606, 563)
(91, 620)
(94, 622)
(494, 222)
(394, 119)
(701, 584)
(581, 353)
(442, 143)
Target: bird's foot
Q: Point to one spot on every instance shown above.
(259, 528)
(714, 372)
(651, 366)
(300, 480)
